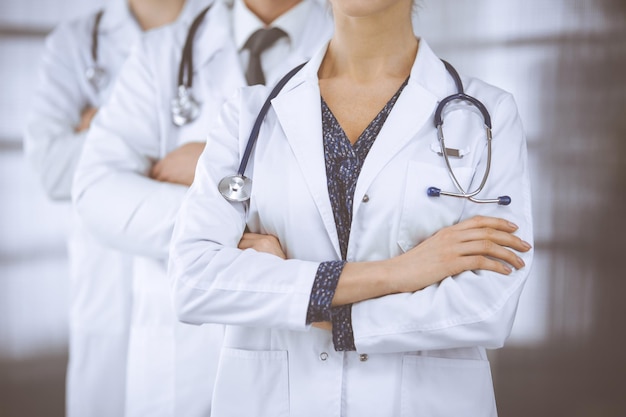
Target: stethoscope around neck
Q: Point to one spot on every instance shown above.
(185, 108)
(238, 187)
(504, 200)
(95, 73)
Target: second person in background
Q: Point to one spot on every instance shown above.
(80, 63)
(140, 157)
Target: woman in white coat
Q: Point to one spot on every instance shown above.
(67, 99)
(136, 167)
(388, 298)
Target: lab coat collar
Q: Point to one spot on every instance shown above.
(303, 130)
(427, 71)
(119, 21)
(217, 33)
(119, 25)
(117, 14)
(413, 109)
(213, 35)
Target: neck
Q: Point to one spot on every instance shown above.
(151, 14)
(366, 48)
(270, 10)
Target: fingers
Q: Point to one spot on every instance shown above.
(478, 222)
(484, 263)
(85, 119)
(496, 236)
(486, 248)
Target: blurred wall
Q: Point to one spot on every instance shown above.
(565, 63)
(33, 266)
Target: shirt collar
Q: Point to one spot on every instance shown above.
(245, 23)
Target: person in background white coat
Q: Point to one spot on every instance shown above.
(62, 111)
(137, 164)
(375, 299)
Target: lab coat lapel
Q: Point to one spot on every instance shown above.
(299, 114)
(212, 35)
(413, 109)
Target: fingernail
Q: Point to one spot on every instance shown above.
(526, 245)
(513, 225)
(521, 262)
(507, 269)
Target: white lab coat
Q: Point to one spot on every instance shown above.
(171, 365)
(418, 354)
(99, 276)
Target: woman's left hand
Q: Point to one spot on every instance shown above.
(262, 243)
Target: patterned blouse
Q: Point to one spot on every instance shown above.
(343, 166)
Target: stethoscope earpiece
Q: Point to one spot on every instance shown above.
(185, 108)
(235, 188)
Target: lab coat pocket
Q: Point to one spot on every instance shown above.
(422, 215)
(442, 387)
(251, 383)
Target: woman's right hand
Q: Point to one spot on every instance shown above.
(479, 243)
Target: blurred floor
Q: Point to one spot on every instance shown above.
(33, 387)
(565, 63)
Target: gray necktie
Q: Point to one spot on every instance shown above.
(258, 42)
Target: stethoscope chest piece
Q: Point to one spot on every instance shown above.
(236, 188)
(97, 76)
(185, 108)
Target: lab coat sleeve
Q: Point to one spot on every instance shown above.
(214, 280)
(51, 145)
(474, 308)
(113, 193)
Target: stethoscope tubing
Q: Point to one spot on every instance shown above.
(438, 121)
(94, 37)
(231, 186)
(186, 62)
(95, 74)
(256, 128)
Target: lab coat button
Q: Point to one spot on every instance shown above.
(323, 356)
(363, 357)
(366, 198)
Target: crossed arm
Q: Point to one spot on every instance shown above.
(478, 243)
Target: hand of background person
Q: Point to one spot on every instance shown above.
(262, 243)
(178, 166)
(86, 116)
(479, 243)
